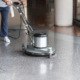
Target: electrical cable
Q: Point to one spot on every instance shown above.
(51, 27)
(23, 29)
(19, 30)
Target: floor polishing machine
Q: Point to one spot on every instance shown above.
(38, 41)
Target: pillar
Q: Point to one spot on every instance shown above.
(63, 12)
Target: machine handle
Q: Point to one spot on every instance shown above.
(21, 3)
(17, 6)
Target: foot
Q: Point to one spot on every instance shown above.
(6, 39)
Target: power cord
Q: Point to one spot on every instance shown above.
(51, 27)
(19, 30)
(23, 29)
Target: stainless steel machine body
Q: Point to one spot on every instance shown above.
(40, 40)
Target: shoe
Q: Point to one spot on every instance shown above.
(6, 39)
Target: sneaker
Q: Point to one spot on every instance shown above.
(6, 39)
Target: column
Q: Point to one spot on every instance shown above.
(63, 12)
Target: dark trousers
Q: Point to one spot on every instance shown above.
(4, 21)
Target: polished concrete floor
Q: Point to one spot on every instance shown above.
(15, 65)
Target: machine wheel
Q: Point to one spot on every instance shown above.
(49, 56)
(24, 46)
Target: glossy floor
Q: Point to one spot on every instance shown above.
(14, 65)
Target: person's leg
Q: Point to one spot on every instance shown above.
(4, 23)
(0, 9)
(0, 12)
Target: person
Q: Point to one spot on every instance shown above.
(4, 10)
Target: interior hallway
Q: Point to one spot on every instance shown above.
(15, 65)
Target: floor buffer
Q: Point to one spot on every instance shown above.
(38, 41)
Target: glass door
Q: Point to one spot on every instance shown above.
(77, 9)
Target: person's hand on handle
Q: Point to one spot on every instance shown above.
(8, 3)
(23, 2)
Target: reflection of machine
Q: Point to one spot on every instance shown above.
(38, 41)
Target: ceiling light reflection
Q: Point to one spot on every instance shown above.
(43, 69)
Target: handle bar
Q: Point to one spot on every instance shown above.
(17, 5)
